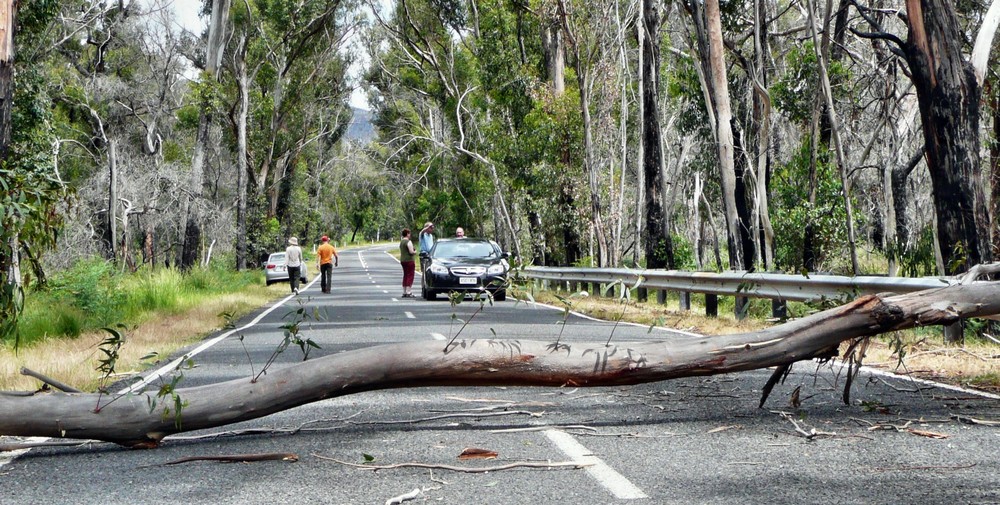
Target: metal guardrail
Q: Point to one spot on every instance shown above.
(784, 287)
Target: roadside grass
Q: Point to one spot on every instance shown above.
(159, 312)
(975, 364)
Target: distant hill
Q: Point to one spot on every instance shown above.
(361, 129)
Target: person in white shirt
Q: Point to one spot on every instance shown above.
(293, 262)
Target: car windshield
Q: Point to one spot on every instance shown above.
(463, 249)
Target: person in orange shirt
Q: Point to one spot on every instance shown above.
(327, 257)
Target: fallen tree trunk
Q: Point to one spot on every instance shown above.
(129, 420)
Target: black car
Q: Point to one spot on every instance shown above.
(465, 265)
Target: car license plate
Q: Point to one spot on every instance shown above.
(468, 280)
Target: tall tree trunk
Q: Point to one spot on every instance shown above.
(112, 224)
(948, 93)
(242, 165)
(584, 79)
(11, 292)
(831, 114)
(995, 172)
(213, 60)
(596, 212)
(659, 248)
(7, 15)
(708, 27)
(555, 56)
(762, 114)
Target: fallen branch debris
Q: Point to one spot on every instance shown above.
(464, 469)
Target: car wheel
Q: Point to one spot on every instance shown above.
(500, 295)
(429, 294)
(267, 282)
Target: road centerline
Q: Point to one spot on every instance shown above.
(616, 483)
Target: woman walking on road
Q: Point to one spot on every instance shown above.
(406, 259)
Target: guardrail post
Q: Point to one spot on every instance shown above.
(661, 296)
(595, 289)
(740, 307)
(953, 332)
(711, 305)
(641, 294)
(779, 309)
(685, 301)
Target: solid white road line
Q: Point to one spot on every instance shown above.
(205, 345)
(438, 336)
(606, 476)
(409, 315)
(9, 457)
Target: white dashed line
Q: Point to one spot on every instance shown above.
(409, 315)
(606, 476)
(438, 336)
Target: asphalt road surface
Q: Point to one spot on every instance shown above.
(688, 441)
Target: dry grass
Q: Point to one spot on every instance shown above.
(669, 315)
(974, 365)
(74, 361)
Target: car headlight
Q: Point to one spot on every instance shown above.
(497, 269)
(438, 269)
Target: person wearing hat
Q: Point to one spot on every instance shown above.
(326, 256)
(426, 239)
(293, 262)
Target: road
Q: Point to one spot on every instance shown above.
(696, 440)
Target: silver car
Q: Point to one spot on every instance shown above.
(276, 271)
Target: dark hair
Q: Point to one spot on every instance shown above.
(406, 231)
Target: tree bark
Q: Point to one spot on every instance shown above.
(707, 19)
(129, 421)
(242, 164)
(659, 249)
(948, 93)
(6, 73)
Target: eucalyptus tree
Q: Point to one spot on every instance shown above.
(949, 96)
(707, 19)
(584, 24)
(32, 187)
(282, 57)
(441, 108)
(214, 46)
(658, 245)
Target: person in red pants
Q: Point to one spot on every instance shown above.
(406, 258)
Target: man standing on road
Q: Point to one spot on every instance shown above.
(326, 256)
(293, 262)
(426, 238)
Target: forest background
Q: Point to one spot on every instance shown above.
(794, 136)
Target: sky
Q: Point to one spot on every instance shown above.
(187, 14)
